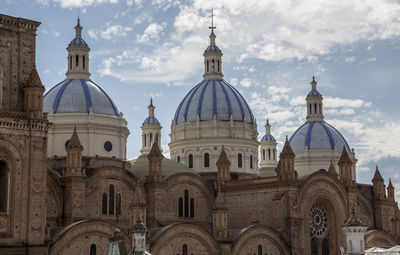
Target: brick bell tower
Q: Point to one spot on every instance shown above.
(23, 141)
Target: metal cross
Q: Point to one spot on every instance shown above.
(212, 20)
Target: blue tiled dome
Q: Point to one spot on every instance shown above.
(77, 41)
(314, 93)
(78, 96)
(268, 138)
(317, 135)
(212, 48)
(213, 97)
(151, 120)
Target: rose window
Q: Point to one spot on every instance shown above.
(318, 221)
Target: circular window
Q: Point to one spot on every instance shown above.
(108, 146)
(318, 221)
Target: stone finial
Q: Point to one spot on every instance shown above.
(332, 169)
(155, 151)
(377, 175)
(267, 128)
(151, 108)
(74, 141)
(287, 150)
(313, 84)
(78, 29)
(223, 158)
(34, 79)
(344, 158)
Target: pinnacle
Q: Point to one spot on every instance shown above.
(223, 158)
(287, 149)
(74, 141)
(332, 168)
(344, 158)
(390, 185)
(377, 175)
(219, 201)
(34, 79)
(155, 151)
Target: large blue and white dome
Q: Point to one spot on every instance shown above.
(317, 135)
(213, 97)
(79, 96)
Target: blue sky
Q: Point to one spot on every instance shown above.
(271, 50)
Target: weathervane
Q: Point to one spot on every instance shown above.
(212, 20)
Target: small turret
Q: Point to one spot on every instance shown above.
(74, 156)
(285, 167)
(223, 167)
(155, 164)
(116, 245)
(139, 232)
(345, 167)
(33, 96)
(390, 190)
(332, 169)
(355, 231)
(151, 130)
(378, 185)
(212, 57)
(268, 149)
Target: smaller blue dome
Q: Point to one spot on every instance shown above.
(268, 138)
(314, 93)
(151, 120)
(77, 41)
(212, 48)
(317, 135)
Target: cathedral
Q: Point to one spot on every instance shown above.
(66, 186)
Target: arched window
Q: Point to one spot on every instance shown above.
(184, 250)
(310, 108)
(70, 62)
(325, 247)
(92, 249)
(191, 208)
(263, 154)
(251, 161)
(259, 249)
(180, 206)
(208, 68)
(190, 161)
(111, 200)
(315, 108)
(213, 65)
(314, 247)
(269, 154)
(151, 139)
(206, 160)
(219, 66)
(4, 173)
(240, 160)
(118, 204)
(104, 203)
(186, 195)
(274, 152)
(83, 62)
(178, 159)
(145, 141)
(76, 60)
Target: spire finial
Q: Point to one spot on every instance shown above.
(267, 128)
(212, 27)
(151, 108)
(78, 29)
(313, 83)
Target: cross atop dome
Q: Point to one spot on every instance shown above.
(314, 103)
(212, 27)
(78, 29)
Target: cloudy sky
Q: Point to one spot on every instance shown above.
(271, 50)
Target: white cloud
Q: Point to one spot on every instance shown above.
(246, 82)
(151, 33)
(110, 32)
(82, 3)
(350, 59)
(234, 81)
(368, 60)
(335, 102)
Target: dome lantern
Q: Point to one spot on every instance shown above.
(314, 103)
(212, 57)
(78, 56)
(151, 130)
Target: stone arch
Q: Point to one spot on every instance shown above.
(321, 188)
(77, 238)
(124, 183)
(11, 220)
(379, 238)
(253, 236)
(54, 198)
(171, 238)
(197, 189)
